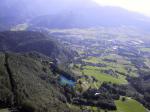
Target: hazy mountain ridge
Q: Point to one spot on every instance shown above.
(83, 17)
(28, 41)
(68, 14)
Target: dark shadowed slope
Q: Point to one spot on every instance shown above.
(34, 41)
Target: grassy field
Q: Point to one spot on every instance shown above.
(118, 64)
(115, 63)
(104, 77)
(129, 105)
(92, 60)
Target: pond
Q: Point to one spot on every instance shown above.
(66, 81)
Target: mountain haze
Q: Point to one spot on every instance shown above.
(68, 14)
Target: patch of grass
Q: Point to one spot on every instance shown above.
(120, 64)
(96, 109)
(129, 105)
(119, 67)
(105, 77)
(92, 60)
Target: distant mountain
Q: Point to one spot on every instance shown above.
(67, 14)
(28, 41)
(17, 11)
(83, 17)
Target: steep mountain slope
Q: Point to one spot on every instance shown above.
(29, 85)
(34, 41)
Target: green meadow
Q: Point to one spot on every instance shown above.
(104, 77)
(129, 105)
(117, 64)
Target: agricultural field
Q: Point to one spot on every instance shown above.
(129, 105)
(116, 68)
(91, 71)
